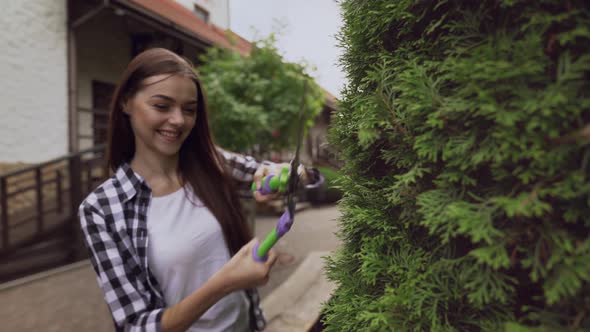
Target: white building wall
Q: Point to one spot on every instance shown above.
(33, 81)
(218, 10)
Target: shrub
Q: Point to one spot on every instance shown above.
(465, 130)
(329, 192)
(330, 175)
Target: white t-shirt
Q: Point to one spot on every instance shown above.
(186, 247)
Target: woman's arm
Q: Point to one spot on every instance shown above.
(241, 272)
(246, 169)
(129, 302)
(182, 315)
(240, 167)
(126, 299)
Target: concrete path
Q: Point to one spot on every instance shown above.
(68, 299)
(296, 304)
(64, 299)
(313, 230)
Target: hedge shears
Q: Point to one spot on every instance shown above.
(284, 182)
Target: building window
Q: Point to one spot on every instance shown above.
(202, 13)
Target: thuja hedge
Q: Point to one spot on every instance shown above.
(465, 128)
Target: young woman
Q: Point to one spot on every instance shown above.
(165, 233)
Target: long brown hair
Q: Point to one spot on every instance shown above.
(199, 164)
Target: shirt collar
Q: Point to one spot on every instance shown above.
(129, 180)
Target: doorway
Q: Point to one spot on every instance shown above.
(102, 93)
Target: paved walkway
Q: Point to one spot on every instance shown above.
(313, 230)
(71, 300)
(296, 304)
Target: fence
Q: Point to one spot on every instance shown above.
(38, 212)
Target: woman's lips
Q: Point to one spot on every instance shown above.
(168, 135)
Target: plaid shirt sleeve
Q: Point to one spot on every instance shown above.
(129, 306)
(242, 169)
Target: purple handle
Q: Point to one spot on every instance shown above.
(265, 188)
(284, 224)
(255, 254)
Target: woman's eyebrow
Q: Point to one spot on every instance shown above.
(163, 97)
(168, 98)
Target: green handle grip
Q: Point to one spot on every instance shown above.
(283, 226)
(264, 247)
(273, 183)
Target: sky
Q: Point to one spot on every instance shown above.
(308, 32)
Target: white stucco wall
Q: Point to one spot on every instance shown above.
(33, 81)
(218, 10)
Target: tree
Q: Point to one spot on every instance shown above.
(465, 130)
(256, 99)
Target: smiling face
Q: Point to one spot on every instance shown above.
(162, 114)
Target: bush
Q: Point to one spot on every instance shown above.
(329, 192)
(465, 130)
(330, 175)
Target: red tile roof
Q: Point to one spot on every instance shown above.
(329, 99)
(207, 32)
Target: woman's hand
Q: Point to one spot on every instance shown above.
(265, 170)
(243, 272)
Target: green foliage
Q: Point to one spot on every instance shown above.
(255, 100)
(330, 175)
(465, 127)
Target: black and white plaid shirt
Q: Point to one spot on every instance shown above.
(113, 220)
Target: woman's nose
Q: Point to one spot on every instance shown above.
(176, 117)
